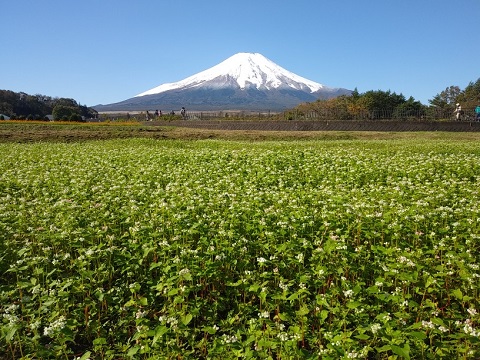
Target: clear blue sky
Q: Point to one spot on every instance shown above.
(104, 51)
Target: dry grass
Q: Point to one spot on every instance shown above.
(23, 131)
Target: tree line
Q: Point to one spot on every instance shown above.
(22, 106)
(373, 104)
(386, 104)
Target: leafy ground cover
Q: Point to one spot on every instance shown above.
(149, 249)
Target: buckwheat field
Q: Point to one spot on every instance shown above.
(149, 249)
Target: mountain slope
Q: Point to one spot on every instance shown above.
(245, 81)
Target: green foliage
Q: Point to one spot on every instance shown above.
(64, 112)
(35, 107)
(369, 105)
(470, 97)
(447, 98)
(208, 250)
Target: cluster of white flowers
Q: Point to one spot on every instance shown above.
(229, 339)
(348, 293)
(55, 326)
(10, 314)
(220, 257)
(264, 315)
(261, 260)
(283, 336)
(170, 320)
(184, 271)
(404, 260)
(467, 327)
(140, 314)
(283, 286)
(35, 325)
(353, 355)
(472, 311)
(428, 324)
(375, 328)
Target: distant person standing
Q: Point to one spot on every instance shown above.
(477, 113)
(458, 112)
(147, 116)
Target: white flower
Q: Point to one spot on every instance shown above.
(428, 324)
(261, 260)
(264, 315)
(442, 328)
(228, 339)
(183, 271)
(472, 311)
(140, 314)
(55, 326)
(375, 328)
(348, 293)
(283, 286)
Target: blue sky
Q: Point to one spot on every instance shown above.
(104, 51)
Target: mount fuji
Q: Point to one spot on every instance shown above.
(244, 81)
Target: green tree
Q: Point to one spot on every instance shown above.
(470, 97)
(410, 109)
(64, 112)
(446, 99)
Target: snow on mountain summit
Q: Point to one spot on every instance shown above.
(244, 70)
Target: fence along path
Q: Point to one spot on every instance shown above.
(322, 115)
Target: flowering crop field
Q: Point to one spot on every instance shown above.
(151, 249)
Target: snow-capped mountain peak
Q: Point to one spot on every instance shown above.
(244, 70)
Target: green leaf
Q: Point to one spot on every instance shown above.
(458, 294)
(292, 297)
(99, 341)
(159, 331)
(430, 281)
(384, 348)
(353, 304)
(302, 311)
(209, 329)
(86, 356)
(172, 292)
(133, 351)
(403, 352)
(418, 335)
(254, 288)
(186, 319)
(362, 337)
(323, 314)
(10, 334)
(143, 301)
(239, 282)
(438, 321)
